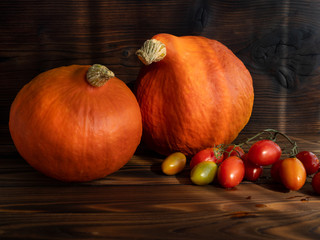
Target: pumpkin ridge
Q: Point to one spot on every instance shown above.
(226, 115)
(215, 82)
(66, 129)
(189, 99)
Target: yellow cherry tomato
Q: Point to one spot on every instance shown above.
(174, 163)
(203, 173)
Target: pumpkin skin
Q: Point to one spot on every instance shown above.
(72, 131)
(199, 95)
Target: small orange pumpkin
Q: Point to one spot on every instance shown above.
(76, 123)
(194, 93)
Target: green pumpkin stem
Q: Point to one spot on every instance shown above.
(152, 51)
(98, 75)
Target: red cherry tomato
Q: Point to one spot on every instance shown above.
(274, 171)
(231, 172)
(252, 171)
(309, 161)
(205, 155)
(233, 151)
(264, 152)
(316, 183)
(292, 173)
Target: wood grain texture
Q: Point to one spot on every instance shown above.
(184, 212)
(277, 40)
(279, 43)
(139, 202)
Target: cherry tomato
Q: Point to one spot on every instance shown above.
(208, 154)
(231, 172)
(174, 163)
(316, 183)
(274, 171)
(233, 151)
(292, 173)
(264, 152)
(252, 171)
(203, 173)
(309, 161)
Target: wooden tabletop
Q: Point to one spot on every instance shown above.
(140, 202)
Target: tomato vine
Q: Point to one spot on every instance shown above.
(272, 135)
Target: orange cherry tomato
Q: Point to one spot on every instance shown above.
(292, 173)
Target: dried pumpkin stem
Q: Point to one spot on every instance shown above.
(152, 51)
(98, 75)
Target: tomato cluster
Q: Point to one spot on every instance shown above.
(230, 165)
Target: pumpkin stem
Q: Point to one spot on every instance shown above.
(152, 51)
(98, 75)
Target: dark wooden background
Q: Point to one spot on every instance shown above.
(279, 42)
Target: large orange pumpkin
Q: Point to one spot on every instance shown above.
(76, 123)
(193, 93)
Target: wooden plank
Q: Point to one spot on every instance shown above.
(139, 202)
(48, 35)
(158, 212)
